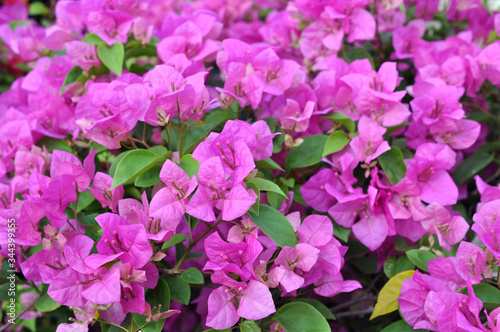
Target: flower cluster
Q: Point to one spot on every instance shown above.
(432, 301)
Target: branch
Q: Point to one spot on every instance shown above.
(188, 250)
(352, 302)
(362, 312)
(25, 310)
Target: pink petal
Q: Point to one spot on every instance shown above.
(316, 230)
(371, 231)
(105, 289)
(221, 310)
(256, 302)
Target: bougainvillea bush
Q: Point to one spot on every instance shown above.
(240, 165)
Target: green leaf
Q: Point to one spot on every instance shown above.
(401, 244)
(190, 165)
(275, 225)
(97, 71)
(288, 182)
(275, 200)
(460, 208)
(367, 265)
(393, 164)
(402, 8)
(390, 267)
(72, 76)
(255, 207)
(84, 200)
(100, 149)
(160, 295)
(217, 117)
(37, 9)
(358, 54)
(45, 304)
(266, 185)
(142, 50)
(420, 258)
(301, 317)
(29, 324)
(133, 164)
(335, 142)
(393, 129)
(4, 292)
(105, 327)
(177, 238)
(400, 326)
(278, 142)
(88, 220)
(491, 146)
(341, 232)
(92, 38)
(268, 164)
(179, 289)
(471, 166)
(249, 326)
(180, 250)
(114, 164)
(493, 36)
(138, 69)
(14, 24)
(478, 116)
(323, 309)
(112, 57)
(159, 150)
(388, 297)
(191, 137)
(54, 144)
(148, 178)
(297, 195)
(152, 326)
(342, 119)
(192, 276)
(488, 294)
(214, 330)
(309, 153)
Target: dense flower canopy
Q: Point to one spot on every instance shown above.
(250, 165)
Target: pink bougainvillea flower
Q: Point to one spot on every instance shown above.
(232, 257)
(315, 230)
(449, 226)
(487, 226)
(302, 257)
(332, 284)
(471, 263)
(214, 191)
(255, 302)
(294, 118)
(102, 192)
(428, 169)
(82, 54)
(119, 236)
(170, 203)
(369, 144)
(111, 26)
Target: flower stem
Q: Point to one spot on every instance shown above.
(188, 250)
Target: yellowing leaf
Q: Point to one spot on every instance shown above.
(388, 297)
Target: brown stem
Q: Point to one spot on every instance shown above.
(361, 312)
(479, 108)
(188, 250)
(352, 302)
(25, 310)
(180, 130)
